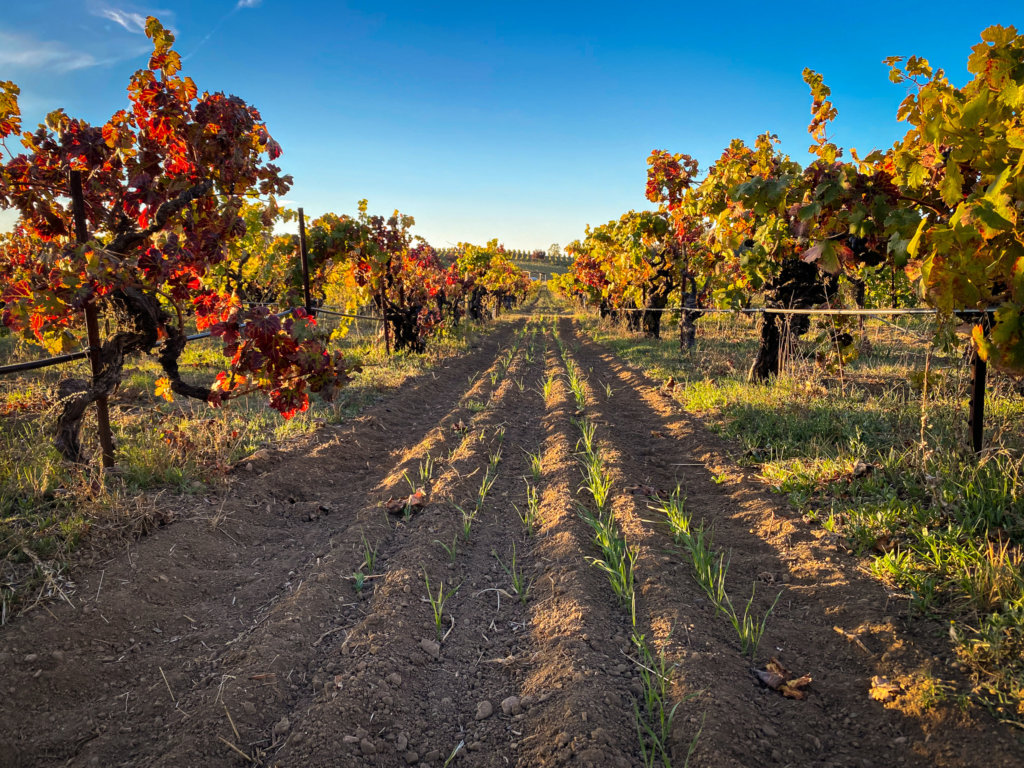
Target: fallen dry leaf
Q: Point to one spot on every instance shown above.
(780, 679)
(882, 689)
(412, 503)
(862, 469)
(884, 544)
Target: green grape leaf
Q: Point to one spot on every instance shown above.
(953, 185)
(971, 114)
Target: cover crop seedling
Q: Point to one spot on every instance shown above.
(532, 513)
(369, 554)
(520, 584)
(536, 469)
(453, 550)
(426, 470)
(437, 602)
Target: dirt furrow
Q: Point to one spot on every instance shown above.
(104, 675)
(293, 657)
(578, 633)
(655, 445)
(411, 692)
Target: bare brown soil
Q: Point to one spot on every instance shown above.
(236, 635)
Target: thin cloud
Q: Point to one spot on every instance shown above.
(133, 22)
(248, 4)
(24, 52)
(130, 16)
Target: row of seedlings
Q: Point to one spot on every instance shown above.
(654, 712)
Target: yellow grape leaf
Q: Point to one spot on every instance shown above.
(915, 241)
(163, 389)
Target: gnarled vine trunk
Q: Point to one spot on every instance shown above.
(632, 317)
(475, 304)
(688, 318)
(798, 286)
(405, 328)
(145, 317)
(651, 316)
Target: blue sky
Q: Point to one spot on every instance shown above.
(523, 121)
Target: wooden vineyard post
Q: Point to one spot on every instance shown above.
(384, 320)
(976, 418)
(92, 329)
(304, 258)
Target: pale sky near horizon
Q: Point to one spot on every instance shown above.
(522, 121)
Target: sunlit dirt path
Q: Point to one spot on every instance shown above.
(242, 634)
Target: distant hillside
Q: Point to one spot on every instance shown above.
(544, 267)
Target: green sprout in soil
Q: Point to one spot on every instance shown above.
(520, 584)
(437, 602)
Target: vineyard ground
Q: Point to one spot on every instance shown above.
(48, 506)
(877, 454)
(237, 635)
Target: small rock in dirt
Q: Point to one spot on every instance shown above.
(367, 747)
(395, 679)
(431, 647)
(31, 657)
(411, 758)
(58, 655)
(562, 740)
(484, 710)
(281, 726)
(349, 739)
(402, 742)
(432, 755)
(511, 706)
(249, 708)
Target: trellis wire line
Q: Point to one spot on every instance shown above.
(82, 354)
(318, 310)
(774, 311)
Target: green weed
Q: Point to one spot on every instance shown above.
(437, 602)
(520, 584)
